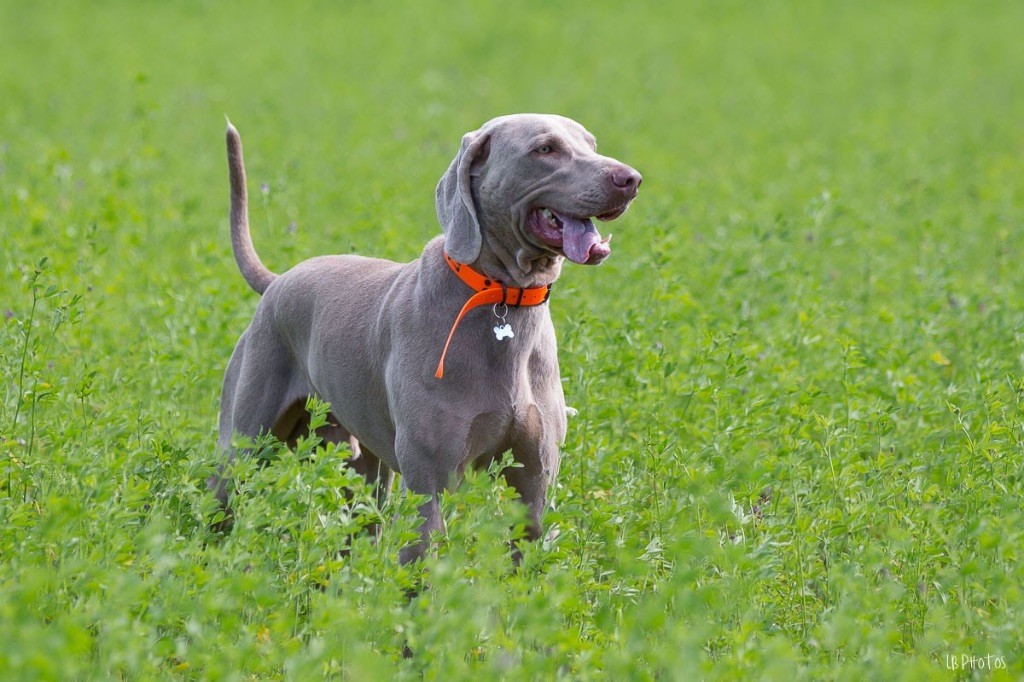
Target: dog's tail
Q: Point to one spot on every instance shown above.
(253, 270)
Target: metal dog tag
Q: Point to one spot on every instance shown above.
(502, 332)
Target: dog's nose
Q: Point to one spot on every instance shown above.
(625, 179)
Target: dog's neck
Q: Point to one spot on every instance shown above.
(489, 292)
(520, 266)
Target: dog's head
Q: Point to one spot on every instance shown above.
(530, 186)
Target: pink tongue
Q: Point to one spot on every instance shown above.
(578, 237)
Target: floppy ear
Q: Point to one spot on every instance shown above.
(454, 200)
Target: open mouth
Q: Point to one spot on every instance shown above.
(576, 238)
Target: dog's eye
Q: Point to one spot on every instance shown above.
(545, 149)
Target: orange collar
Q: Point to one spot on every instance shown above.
(488, 291)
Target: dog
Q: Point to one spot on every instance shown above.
(447, 361)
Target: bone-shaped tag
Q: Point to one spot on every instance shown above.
(502, 332)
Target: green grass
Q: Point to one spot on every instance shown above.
(800, 375)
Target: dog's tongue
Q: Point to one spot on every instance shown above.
(578, 238)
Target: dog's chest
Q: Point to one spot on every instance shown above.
(517, 388)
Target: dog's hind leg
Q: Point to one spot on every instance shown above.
(218, 482)
(259, 387)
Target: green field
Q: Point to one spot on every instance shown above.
(800, 375)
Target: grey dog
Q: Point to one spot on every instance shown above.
(365, 334)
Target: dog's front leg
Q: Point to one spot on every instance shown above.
(531, 481)
(430, 511)
(537, 438)
(535, 447)
(423, 474)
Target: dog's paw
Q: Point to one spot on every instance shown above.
(571, 411)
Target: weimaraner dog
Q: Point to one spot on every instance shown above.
(448, 360)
